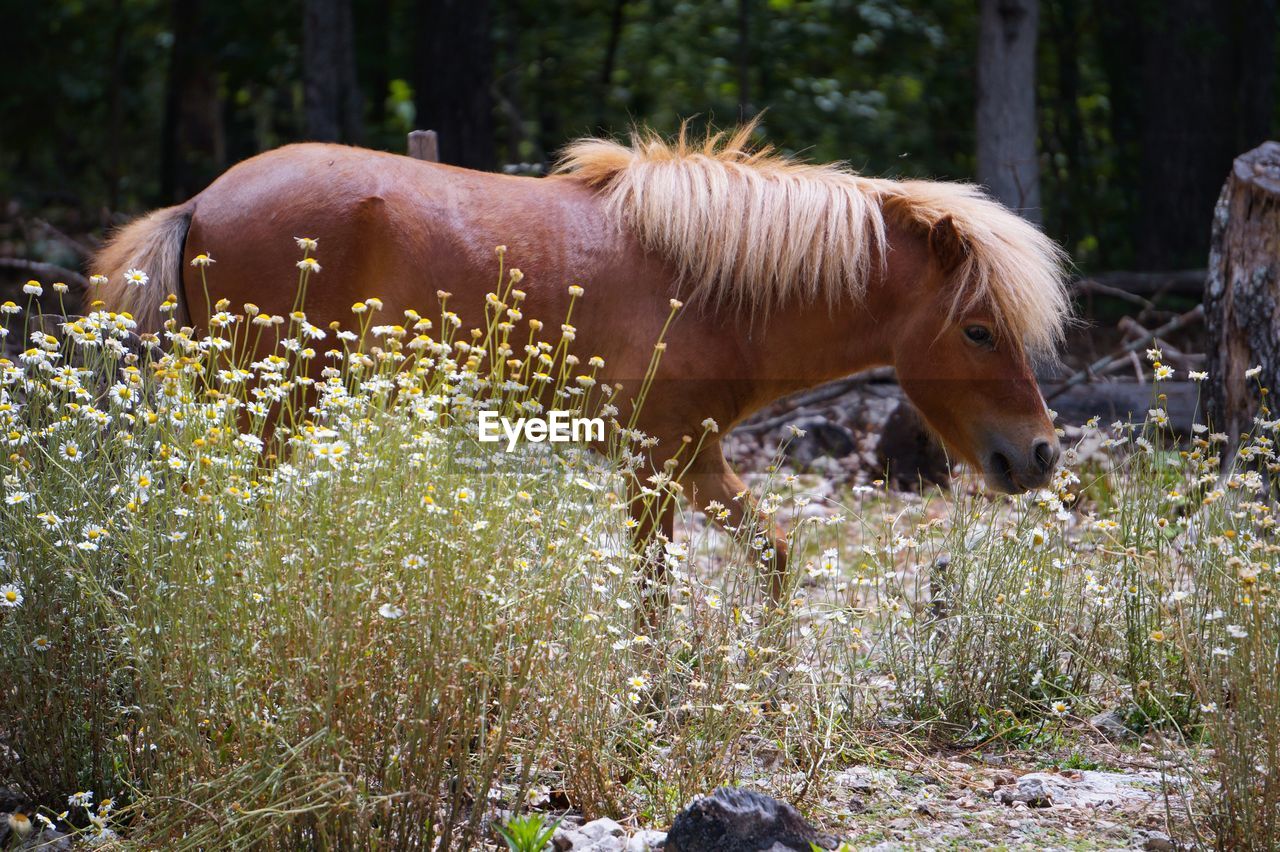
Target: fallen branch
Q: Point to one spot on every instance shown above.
(1126, 400)
(1089, 372)
(1185, 282)
(45, 271)
(1089, 285)
(826, 392)
(80, 247)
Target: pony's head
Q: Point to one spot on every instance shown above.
(991, 300)
(753, 232)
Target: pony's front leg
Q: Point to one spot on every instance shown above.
(708, 480)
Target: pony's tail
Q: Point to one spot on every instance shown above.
(154, 245)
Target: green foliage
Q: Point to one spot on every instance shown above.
(886, 85)
(528, 833)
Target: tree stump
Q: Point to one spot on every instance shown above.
(1242, 293)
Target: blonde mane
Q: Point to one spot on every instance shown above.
(749, 229)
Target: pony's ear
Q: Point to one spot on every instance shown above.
(947, 245)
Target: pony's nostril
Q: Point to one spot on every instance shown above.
(1000, 463)
(1046, 455)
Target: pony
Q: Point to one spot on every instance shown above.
(793, 274)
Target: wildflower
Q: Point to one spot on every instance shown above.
(1235, 631)
(41, 643)
(32, 288)
(136, 278)
(1154, 355)
(1059, 708)
(1197, 375)
(202, 260)
(390, 611)
(19, 824)
(306, 243)
(676, 304)
(70, 451)
(309, 264)
(82, 799)
(97, 280)
(1163, 372)
(710, 425)
(638, 681)
(575, 290)
(1157, 635)
(464, 495)
(1253, 372)
(10, 596)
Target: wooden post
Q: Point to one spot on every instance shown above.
(423, 145)
(1242, 294)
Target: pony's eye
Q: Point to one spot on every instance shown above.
(978, 334)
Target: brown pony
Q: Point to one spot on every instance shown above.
(794, 275)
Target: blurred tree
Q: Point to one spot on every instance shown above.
(331, 98)
(1202, 102)
(193, 149)
(1008, 164)
(453, 77)
(113, 105)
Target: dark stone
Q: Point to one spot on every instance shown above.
(1156, 841)
(1030, 791)
(737, 820)
(1111, 726)
(821, 438)
(909, 453)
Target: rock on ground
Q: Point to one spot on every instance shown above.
(735, 820)
(1079, 789)
(601, 835)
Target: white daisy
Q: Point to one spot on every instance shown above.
(10, 596)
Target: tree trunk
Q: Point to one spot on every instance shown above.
(193, 149)
(1006, 120)
(1242, 294)
(332, 102)
(1186, 137)
(453, 79)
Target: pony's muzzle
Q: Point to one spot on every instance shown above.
(1014, 472)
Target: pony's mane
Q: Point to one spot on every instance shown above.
(751, 229)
